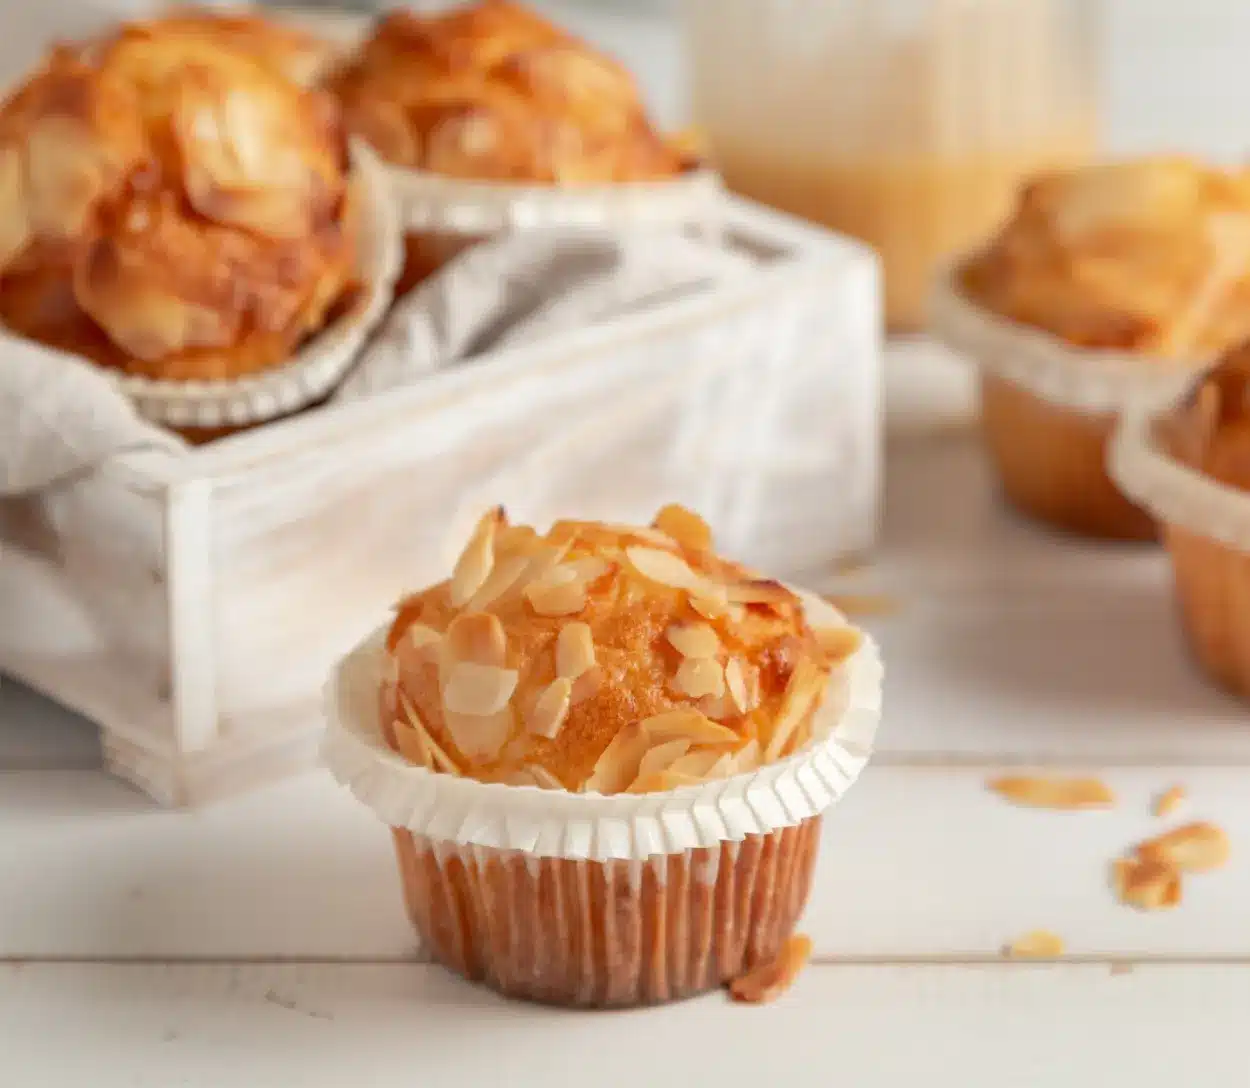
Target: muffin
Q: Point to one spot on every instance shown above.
(488, 111)
(605, 753)
(175, 210)
(1189, 465)
(1108, 284)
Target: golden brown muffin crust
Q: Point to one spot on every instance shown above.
(171, 207)
(493, 91)
(625, 626)
(1150, 256)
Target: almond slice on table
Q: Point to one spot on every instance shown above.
(699, 676)
(1169, 801)
(551, 709)
(769, 981)
(1036, 944)
(693, 639)
(1194, 848)
(686, 723)
(684, 526)
(575, 651)
(1055, 793)
(438, 758)
(477, 559)
(1147, 885)
(804, 688)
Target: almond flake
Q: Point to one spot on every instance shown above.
(663, 781)
(422, 638)
(479, 736)
(768, 981)
(699, 676)
(546, 558)
(685, 527)
(477, 637)
(575, 651)
(1194, 848)
(562, 599)
(696, 764)
(440, 759)
(723, 767)
(688, 724)
(664, 568)
(640, 532)
(618, 766)
(864, 604)
(503, 578)
(589, 568)
(479, 690)
(1037, 944)
(552, 707)
(1169, 801)
(709, 608)
(1147, 885)
(759, 591)
(694, 640)
(717, 707)
(838, 643)
(587, 685)
(662, 757)
(736, 683)
(1056, 793)
(748, 758)
(477, 559)
(806, 684)
(411, 745)
(544, 778)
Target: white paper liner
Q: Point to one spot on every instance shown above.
(629, 827)
(1170, 489)
(476, 209)
(314, 371)
(1082, 379)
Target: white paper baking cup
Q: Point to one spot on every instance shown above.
(320, 364)
(1172, 490)
(577, 826)
(1083, 379)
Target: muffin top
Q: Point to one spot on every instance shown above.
(171, 206)
(1211, 430)
(603, 658)
(494, 92)
(1149, 256)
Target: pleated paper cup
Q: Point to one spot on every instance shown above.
(441, 216)
(586, 900)
(1048, 411)
(1206, 529)
(318, 367)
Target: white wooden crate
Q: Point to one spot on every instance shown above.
(193, 606)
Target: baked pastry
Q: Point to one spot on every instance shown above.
(492, 91)
(598, 693)
(1137, 272)
(172, 208)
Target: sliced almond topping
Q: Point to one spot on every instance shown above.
(545, 779)
(662, 757)
(864, 604)
(699, 676)
(477, 637)
(587, 685)
(664, 568)
(1147, 885)
(1057, 793)
(1194, 848)
(694, 640)
(478, 557)
(687, 724)
(719, 708)
(709, 607)
(618, 766)
(480, 736)
(440, 759)
(838, 643)
(684, 526)
(420, 637)
(769, 981)
(696, 764)
(1169, 801)
(478, 689)
(749, 757)
(806, 683)
(736, 684)
(561, 599)
(504, 577)
(1036, 944)
(663, 781)
(640, 532)
(545, 558)
(575, 651)
(589, 568)
(411, 745)
(759, 591)
(551, 708)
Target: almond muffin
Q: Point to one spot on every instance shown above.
(626, 704)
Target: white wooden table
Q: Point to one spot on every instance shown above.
(262, 942)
